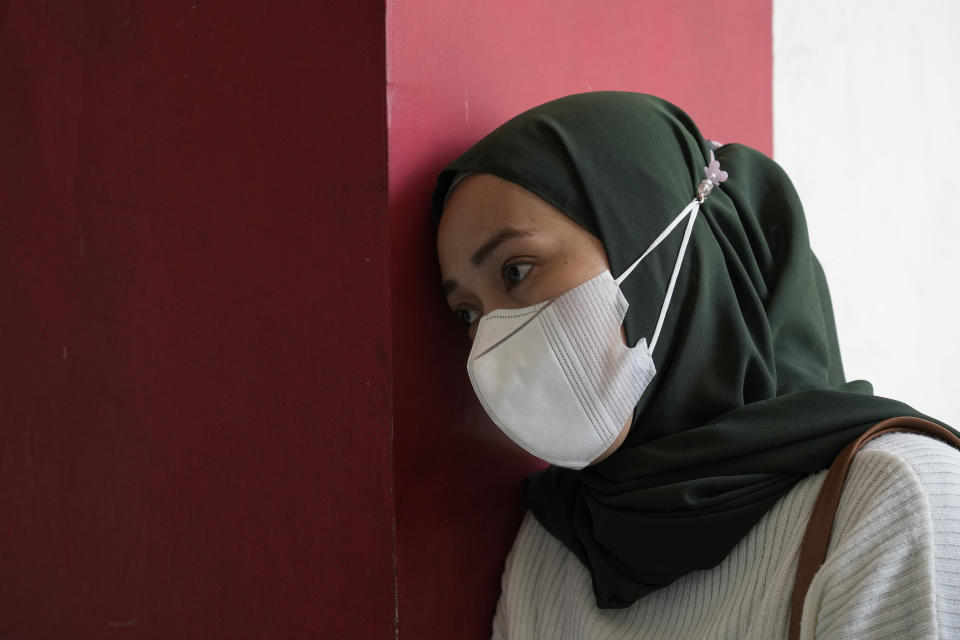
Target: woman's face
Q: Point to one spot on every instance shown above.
(503, 247)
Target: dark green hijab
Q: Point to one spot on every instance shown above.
(749, 396)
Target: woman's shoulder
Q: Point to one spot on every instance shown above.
(912, 447)
(895, 547)
(909, 465)
(901, 482)
(899, 486)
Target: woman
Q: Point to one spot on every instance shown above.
(651, 320)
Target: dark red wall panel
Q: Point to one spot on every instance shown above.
(455, 71)
(196, 351)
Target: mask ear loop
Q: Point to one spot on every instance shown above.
(676, 270)
(691, 209)
(714, 176)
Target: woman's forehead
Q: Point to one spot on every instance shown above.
(483, 205)
(484, 200)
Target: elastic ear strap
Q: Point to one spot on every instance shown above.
(663, 234)
(694, 209)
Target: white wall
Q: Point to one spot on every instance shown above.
(867, 123)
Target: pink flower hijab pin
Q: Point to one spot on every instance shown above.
(715, 176)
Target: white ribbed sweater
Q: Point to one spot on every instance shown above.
(892, 569)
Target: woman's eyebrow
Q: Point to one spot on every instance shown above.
(485, 251)
(495, 241)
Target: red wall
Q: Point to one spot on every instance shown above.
(226, 372)
(195, 352)
(455, 71)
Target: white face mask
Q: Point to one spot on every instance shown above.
(556, 376)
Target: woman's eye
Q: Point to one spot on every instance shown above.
(513, 274)
(469, 316)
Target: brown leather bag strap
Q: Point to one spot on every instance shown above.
(813, 549)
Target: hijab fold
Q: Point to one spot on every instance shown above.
(749, 396)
